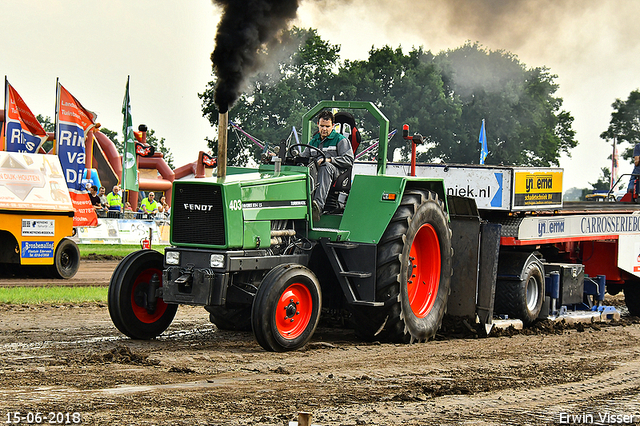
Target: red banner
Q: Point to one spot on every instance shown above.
(73, 123)
(23, 133)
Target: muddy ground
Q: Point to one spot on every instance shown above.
(70, 359)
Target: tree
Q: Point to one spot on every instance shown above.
(277, 98)
(159, 145)
(443, 97)
(524, 122)
(410, 90)
(624, 126)
(604, 180)
(152, 139)
(48, 126)
(113, 136)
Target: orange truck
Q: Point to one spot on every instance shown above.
(36, 216)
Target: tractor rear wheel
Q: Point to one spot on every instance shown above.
(286, 309)
(66, 260)
(133, 306)
(413, 273)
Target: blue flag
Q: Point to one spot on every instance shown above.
(483, 141)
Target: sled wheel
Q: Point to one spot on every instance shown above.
(66, 260)
(286, 309)
(133, 306)
(632, 297)
(522, 299)
(413, 273)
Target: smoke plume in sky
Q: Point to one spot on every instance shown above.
(245, 29)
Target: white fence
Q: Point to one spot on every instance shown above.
(124, 231)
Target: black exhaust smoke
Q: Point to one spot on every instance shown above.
(245, 29)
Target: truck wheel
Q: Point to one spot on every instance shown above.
(632, 297)
(66, 260)
(286, 310)
(522, 299)
(413, 273)
(133, 307)
(232, 319)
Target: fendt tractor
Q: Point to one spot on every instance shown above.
(394, 253)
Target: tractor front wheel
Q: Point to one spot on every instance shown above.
(134, 306)
(286, 310)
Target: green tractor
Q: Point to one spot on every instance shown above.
(246, 248)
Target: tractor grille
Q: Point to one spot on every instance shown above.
(198, 215)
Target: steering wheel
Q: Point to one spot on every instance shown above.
(318, 150)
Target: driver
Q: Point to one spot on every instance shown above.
(339, 157)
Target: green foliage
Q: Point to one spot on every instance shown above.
(443, 97)
(116, 250)
(152, 139)
(159, 145)
(276, 100)
(48, 126)
(604, 180)
(113, 136)
(524, 123)
(624, 126)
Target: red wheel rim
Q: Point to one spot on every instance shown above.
(139, 311)
(424, 271)
(293, 312)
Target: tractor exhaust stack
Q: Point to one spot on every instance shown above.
(223, 124)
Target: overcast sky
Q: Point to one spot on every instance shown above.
(165, 46)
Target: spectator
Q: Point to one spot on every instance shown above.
(114, 199)
(103, 197)
(149, 205)
(164, 207)
(96, 202)
(127, 207)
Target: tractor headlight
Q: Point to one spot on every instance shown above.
(172, 257)
(216, 261)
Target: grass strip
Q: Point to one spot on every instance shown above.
(36, 295)
(118, 250)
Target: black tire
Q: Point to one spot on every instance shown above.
(417, 240)
(230, 319)
(632, 297)
(286, 310)
(522, 299)
(66, 260)
(128, 294)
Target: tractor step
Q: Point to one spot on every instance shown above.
(355, 274)
(372, 304)
(344, 245)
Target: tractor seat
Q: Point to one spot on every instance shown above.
(336, 199)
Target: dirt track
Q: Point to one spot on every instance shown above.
(72, 359)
